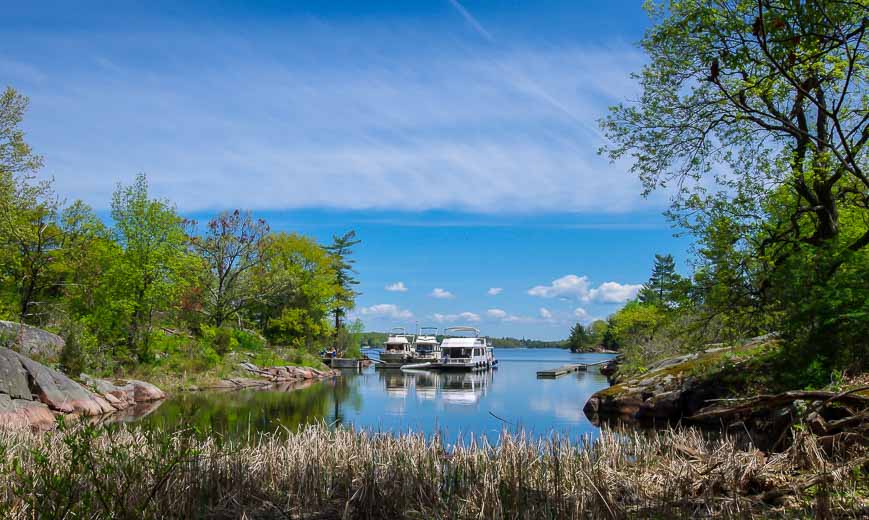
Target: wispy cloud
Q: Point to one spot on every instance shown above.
(472, 21)
(494, 291)
(396, 287)
(441, 294)
(489, 130)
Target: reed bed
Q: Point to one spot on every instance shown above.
(320, 472)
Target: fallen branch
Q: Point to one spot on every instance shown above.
(766, 402)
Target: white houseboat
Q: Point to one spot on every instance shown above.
(426, 347)
(398, 348)
(464, 349)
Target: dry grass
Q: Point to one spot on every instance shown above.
(88, 472)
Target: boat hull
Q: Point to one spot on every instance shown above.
(394, 358)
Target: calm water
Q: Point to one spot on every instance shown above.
(396, 401)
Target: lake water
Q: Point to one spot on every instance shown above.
(400, 401)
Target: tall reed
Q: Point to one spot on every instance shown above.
(319, 472)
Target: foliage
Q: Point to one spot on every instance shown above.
(754, 115)
(297, 288)
(579, 339)
(233, 246)
(153, 260)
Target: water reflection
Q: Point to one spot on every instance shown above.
(461, 388)
(452, 403)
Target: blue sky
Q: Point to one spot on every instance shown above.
(459, 138)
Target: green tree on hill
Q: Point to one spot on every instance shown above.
(149, 275)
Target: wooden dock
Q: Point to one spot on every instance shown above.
(567, 369)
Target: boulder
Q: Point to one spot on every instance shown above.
(19, 413)
(31, 341)
(32, 393)
(61, 393)
(144, 392)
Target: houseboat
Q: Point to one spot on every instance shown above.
(426, 347)
(464, 349)
(398, 348)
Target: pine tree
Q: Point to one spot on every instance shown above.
(578, 339)
(664, 285)
(341, 248)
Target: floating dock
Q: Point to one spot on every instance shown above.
(567, 369)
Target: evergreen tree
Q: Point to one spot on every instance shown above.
(663, 287)
(579, 338)
(341, 248)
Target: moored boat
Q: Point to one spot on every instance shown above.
(398, 348)
(464, 349)
(425, 347)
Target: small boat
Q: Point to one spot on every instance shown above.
(465, 352)
(415, 366)
(398, 348)
(426, 347)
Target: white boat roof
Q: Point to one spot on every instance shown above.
(461, 342)
(397, 340)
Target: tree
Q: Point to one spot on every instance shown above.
(233, 245)
(296, 288)
(756, 114)
(665, 287)
(149, 274)
(29, 236)
(16, 156)
(579, 338)
(341, 248)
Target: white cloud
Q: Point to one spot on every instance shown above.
(462, 316)
(494, 291)
(545, 313)
(396, 287)
(614, 292)
(441, 294)
(386, 310)
(581, 314)
(498, 314)
(579, 288)
(566, 286)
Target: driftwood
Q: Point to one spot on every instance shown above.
(760, 403)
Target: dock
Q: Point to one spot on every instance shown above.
(567, 369)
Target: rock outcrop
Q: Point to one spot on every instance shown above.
(288, 374)
(674, 388)
(33, 394)
(31, 341)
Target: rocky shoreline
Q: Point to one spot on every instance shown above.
(270, 376)
(32, 394)
(673, 389)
